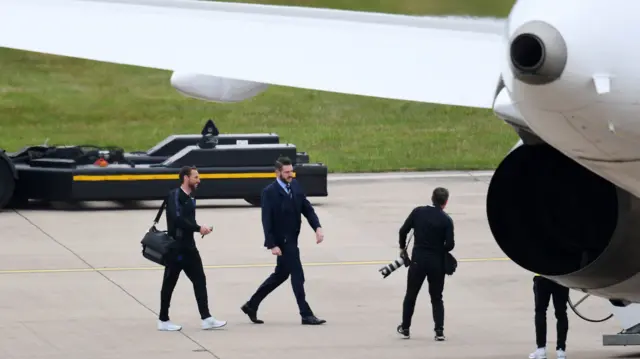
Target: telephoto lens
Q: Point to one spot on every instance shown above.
(391, 267)
(402, 260)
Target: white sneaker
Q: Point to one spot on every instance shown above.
(561, 354)
(213, 323)
(168, 326)
(540, 353)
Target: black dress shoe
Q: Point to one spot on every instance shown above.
(252, 313)
(312, 320)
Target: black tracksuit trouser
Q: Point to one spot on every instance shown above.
(190, 261)
(544, 289)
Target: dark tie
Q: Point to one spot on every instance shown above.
(289, 189)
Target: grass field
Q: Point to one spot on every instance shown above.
(72, 101)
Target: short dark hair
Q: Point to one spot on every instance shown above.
(185, 171)
(440, 196)
(282, 161)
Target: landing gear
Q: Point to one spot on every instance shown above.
(7, 181)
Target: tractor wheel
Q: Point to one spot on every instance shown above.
(254, 201)
(7, 183)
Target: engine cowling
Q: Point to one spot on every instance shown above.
(554, 217)
(215, 89)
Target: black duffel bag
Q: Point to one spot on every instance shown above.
(158, 246)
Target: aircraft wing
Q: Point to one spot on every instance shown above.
(451, 61)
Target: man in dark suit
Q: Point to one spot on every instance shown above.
(283, 201)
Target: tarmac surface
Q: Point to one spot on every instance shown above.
(74, 285)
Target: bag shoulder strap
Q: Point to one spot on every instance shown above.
(162, 207)
(157, 219)
(164, 204)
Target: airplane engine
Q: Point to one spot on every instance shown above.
(215, 89)
(554, 217)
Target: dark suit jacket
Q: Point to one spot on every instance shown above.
(281, 222)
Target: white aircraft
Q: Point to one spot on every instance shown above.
(563, 203)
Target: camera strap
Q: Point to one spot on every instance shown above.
(409, 240)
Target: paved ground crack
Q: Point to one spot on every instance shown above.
(202, 347)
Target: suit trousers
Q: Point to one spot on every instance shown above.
(287, 264)
(544, 289)
(431, 268)
(190, 261)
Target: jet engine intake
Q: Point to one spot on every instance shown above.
(538, 53)
(527, 53)
(554, 217)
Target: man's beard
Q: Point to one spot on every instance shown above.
(193, 187)
(283, 179)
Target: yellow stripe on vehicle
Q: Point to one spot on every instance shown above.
(156, 177)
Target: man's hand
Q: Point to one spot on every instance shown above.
(276, 251)
(204, 230)
(319, 235)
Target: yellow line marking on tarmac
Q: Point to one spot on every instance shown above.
(225, 266)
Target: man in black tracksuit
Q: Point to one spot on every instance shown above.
(181, 225)
(544, 290)
(433, 238)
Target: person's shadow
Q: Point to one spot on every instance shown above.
(627, 356)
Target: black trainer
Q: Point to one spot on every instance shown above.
(439, 336)
(404, 332)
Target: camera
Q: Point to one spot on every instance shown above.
(391, 267)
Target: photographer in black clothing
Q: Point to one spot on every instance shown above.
(433, 238)
(181, 225)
